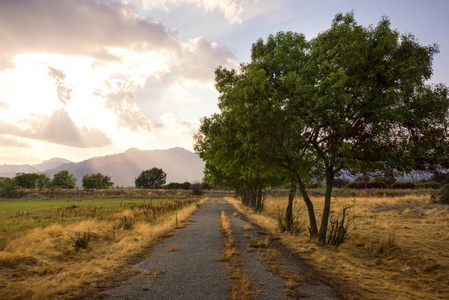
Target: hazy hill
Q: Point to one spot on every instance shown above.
(12, 170)
(179, 164)
(50, 164)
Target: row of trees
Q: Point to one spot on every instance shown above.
(353, 99)
(62, 179)
(153, 178)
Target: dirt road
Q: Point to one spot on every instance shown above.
(188, 265)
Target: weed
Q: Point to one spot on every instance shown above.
(285, 226)
(127, 223)
(338, 231)
(81, 241)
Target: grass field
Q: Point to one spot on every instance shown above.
(398, 246)
(63, 248)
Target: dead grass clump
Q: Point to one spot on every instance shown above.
(173, 247)
(385, 245)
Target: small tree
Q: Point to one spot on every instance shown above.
(151, 179)
(96, 181)
(64, 180)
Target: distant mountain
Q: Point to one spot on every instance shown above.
(12, 170)
(51, 164)
(179, 164)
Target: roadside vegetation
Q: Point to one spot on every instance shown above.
(65, 248)
(396, 248)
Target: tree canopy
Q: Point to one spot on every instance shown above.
(96, 181)
(151, 179)
(64, 180)
(353, 99)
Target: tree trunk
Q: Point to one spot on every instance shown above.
(259, 206)
(313, 229)
(330, 174)
(289, 211)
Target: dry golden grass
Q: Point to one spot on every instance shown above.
(173, 247)
(241, 286)
(42, 263)
(396, 252)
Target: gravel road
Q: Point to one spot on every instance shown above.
(195, 270)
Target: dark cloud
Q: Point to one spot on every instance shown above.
(63, 91)
(76, 28)
(12, 142)
(58, 129)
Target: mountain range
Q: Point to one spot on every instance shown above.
(179, 164)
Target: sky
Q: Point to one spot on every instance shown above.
(86, 78)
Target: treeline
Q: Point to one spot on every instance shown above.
(436, 181)
(151, 179)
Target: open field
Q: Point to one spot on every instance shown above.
(397, 247)
(63, 248)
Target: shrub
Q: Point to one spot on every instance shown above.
(443, 195)
(283, 224)
(81, 241)
(403, 185)
(197, 189)
(429, 185)
(338, 231)
(360, 185)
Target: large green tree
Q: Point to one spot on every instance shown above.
(152, 178)
(354, 98)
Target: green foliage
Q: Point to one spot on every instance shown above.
(354, 98)
(151, 179)
(43, 181)
(403, 185)
(9, 188)
(96, 181)
(64, 180)
(27, 181)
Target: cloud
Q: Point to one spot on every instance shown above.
(231, 9)
(11, 142)
(63, 92)
(76, 28)
(58, 129)
(4, 105)
(200, 58)
(122, 102)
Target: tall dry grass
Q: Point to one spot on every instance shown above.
(42, 263)
(398, 247)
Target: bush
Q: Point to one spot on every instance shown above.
(443, 195)
(403, 185)
(197, 189)
(429, 185)
(360, 185)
